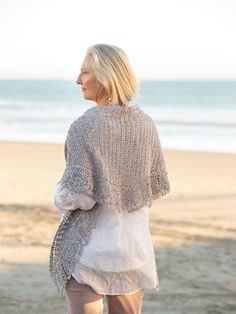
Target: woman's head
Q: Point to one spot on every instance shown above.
(106, 76)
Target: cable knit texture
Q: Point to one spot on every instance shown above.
(114, 155)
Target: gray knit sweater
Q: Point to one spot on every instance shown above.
(114, 154)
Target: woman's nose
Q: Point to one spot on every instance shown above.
(78, 81)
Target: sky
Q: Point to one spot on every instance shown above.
(164, 39)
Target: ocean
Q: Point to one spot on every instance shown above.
(189, 115)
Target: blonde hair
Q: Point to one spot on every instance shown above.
(113, 70)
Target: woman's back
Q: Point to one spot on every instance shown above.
(116, 158)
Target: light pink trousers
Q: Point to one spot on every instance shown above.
(82, 299)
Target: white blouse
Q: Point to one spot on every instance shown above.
(119, 258)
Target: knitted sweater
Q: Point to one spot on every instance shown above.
(114, 155)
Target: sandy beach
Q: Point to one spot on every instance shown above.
(193, 230)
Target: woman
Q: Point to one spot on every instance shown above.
(114, 170)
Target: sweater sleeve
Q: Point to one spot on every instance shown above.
(65, 200)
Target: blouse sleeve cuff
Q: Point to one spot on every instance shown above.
(65, 200)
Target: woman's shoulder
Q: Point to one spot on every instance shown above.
(100, 115)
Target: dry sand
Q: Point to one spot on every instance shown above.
(193, 229)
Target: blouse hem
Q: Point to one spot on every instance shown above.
(156, 288)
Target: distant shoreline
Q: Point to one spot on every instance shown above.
(196, 115)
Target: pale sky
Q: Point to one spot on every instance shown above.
(164, 39)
